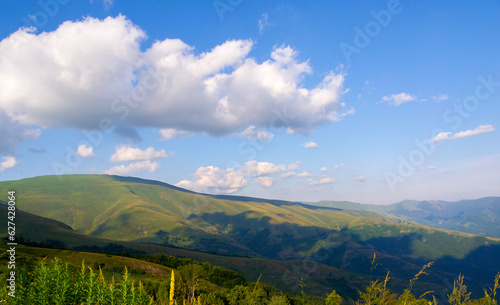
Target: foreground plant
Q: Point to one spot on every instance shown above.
(56, 284)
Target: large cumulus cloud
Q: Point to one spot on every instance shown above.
(92, 69)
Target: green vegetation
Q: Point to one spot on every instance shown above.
(284, 275)
(131, 209)
(283, 241)
(58, 282)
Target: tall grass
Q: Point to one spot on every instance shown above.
(378, 294)
(56, 283)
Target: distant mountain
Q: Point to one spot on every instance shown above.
(478, 216)
(136, 210)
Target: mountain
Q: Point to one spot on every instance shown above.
(478, 216)
(36, 232)
(150, 212)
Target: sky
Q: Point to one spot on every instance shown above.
(367, 101)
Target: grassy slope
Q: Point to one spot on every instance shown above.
(105, 207)
(111, 265)
(132, 209)
(284, 275)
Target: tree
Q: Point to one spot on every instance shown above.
(334, 299)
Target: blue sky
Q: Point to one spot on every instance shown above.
(373, 101)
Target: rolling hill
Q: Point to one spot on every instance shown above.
(150, 212)
(37, 233)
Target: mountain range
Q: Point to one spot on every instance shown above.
(279, 239)
(478, 216)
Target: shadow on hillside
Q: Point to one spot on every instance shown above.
(399, 245)
(343, 249)
(282, 241)
(479, 268)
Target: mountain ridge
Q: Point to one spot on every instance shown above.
(475, 216)
(137, 210)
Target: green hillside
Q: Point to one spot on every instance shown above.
(136, 210)
(285, 275)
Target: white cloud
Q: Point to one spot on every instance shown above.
(257, 169)
(172, 133)
(53, 80)
(85, 152)
(360, 179)
(368, 87)
(440, 97)
(293, 166)
(468, 133)
(310, 144)
(288, 174)
(106, 3)
(379, 179)
(398, 99)
(339, 165)
(463, 134)
(32, 133)
(125, 153)
(252, 133)
(430, 167)
(441, 136)
(133, 168)
(322, 181)
(304, 174)
(215, 180)
(265, 181)
(324, 169)
(263, 22)
(8, 162)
